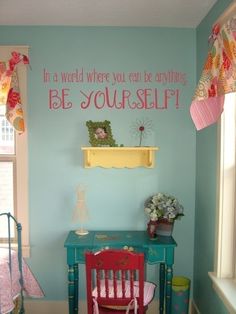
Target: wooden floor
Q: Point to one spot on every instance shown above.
(61, 307)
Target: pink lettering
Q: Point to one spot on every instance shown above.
(57, 100)
(99, 96)
(84, 104)
(147, 98)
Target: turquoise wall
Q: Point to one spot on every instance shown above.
(204, 295)
(115, 197)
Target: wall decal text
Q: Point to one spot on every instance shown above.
(117, 90)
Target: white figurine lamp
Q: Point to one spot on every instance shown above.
(81, 211)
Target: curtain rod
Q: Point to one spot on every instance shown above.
(19, 46)
(228, 12)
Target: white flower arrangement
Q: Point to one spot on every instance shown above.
(163, 206)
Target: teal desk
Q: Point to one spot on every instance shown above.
(157, 251)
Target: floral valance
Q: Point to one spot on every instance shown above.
(218, 77)
(10, 92)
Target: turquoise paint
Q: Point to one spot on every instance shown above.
(163, 251)
(115, 197)
(204, 295)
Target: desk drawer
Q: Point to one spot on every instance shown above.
(155, 255)
(78, 254)
(120, 247)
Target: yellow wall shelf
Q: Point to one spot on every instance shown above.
(119, 157)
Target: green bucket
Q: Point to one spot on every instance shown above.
(180, 295)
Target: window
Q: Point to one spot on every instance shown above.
(225, 259)
(226, 225)
(7, 170)
(7, 131)
(14, 160)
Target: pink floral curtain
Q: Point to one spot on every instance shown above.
(218, 77)
(9, 90)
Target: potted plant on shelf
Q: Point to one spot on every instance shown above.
(163, 209)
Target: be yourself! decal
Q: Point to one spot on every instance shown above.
(116, 90)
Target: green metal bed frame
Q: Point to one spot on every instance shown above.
(19, 250)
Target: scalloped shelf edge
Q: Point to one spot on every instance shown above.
(119, 157)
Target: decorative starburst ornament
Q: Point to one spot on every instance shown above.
(141, 129)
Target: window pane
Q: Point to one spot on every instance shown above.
(6, 194)
(7, 140)
(227, 183)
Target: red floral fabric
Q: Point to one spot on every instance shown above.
(9, 90)
(218, 76)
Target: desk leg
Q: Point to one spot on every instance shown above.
(71, 288)
(162, 288)
(169, 275)
(76, 289)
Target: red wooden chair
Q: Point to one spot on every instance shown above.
(115, 282)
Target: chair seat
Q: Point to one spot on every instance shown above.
(149, 290)
(117, 310)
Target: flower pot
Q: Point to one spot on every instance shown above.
(151, 228)
(164, 227)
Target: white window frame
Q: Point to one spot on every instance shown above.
(224, 275)
(4, 124)
(21, 188)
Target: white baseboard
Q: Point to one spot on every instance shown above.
(194, 309)
(61, 307)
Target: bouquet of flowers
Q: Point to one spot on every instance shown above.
(163, 206)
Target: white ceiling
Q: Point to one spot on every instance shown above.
(162, 13)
